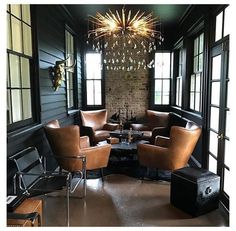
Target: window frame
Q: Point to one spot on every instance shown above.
(34, 93)
(94, 106)
(73, 74)
(194, 73)
(162, 79)
(179, 79)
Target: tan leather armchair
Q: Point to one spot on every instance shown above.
(173, 152)
(68, 146)
(154, 120)
(94, 124)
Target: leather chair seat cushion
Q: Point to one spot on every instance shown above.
(101, 135)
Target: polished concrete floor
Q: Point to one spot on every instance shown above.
(124, 201)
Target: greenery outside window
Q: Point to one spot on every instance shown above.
(19, 65)
(196, 77)
(162, 78)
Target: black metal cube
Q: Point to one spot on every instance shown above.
(195, 190)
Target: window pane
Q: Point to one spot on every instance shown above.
(166, 98)
(227, 182)
(192, 83)
(195, 64)
(228, 153)
(158, 91)
(166, 66)
(98, 93)
(201, 43)
(27, 40)
(16, 31)
(90, 92)
(177, 91)
(198, 83)
(14, 70)
(227, 22)
(70, 98)
(8, 32)
(192, 101)
(15, 9)
(93, 66)
(215, 93)
(197, 101)
(200, 62)
(26, 96)
(166, 85)
(180, 91)
(16, 105)
(26, 13)
(9, 114)
(216, 67)
(162, 65)
(212, 164)
(214, 118)
(25, 73)
(196, 46)
(227, 123)
(219, 23)
(213, 146)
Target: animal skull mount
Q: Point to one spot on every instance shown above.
(59, 72)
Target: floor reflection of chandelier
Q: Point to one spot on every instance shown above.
(126, 39)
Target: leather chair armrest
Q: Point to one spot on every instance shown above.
(97, 156)
(84, 142)
(139, 127)
(162, 141)
(110, 126)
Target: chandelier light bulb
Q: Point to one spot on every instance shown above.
(121, 32)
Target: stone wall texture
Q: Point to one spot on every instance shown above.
(127, 91)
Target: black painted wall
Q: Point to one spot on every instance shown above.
(50, 29)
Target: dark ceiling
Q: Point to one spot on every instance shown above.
(169, 14)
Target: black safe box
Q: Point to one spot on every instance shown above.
(195, 190)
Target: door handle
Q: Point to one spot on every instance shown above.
(220, 136)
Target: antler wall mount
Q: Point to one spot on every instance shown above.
(58, 72)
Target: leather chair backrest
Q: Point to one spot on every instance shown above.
(183, 142)
(95, 119)
(157, 119)
(64, 142)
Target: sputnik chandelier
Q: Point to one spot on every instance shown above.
(126, 40)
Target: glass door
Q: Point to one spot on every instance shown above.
(218, 115)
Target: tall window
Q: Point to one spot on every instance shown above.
(19, 56)
(162, 78)
(222, 25)
(93, 79)
(196, 77)
(179, 80)
(220, 106)
(69, 40)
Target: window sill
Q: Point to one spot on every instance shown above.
(72, 112)
(22, 131)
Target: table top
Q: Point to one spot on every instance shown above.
(125, 132)
(125, 145)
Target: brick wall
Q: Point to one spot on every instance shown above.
(127, 90)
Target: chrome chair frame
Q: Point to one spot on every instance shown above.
(21, 185)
